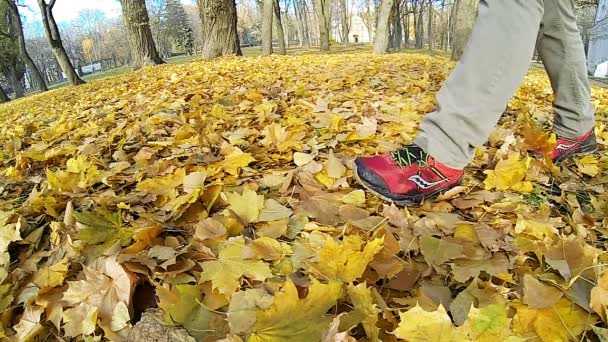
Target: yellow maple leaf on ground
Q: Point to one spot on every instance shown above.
(564, 321)
(346, 261)
(246, 206)
(226, 272)
(361, 298)
(163, 185)
(509, 174)
(418, 325)
(234, 161)
(182, 304)
(296, 320)
(599, 296)
(588, 165)
(488, 324)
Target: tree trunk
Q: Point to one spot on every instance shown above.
(300, 23)
(3, 97)
(382, 32)
(307, 33)
(465, 14)
(323, 10)
(54, 37)
(15, 81)
(345, 22)
(397, 26)
(279, 27)
(220, 35)
(36, 77)
(406, 31)
(420, 26)
(370, 25)
(141, 42)
(430, 25)
(267, 13)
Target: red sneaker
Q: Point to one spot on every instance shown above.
(407, 176)
(566, 148)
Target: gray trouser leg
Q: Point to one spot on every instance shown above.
(495, 62)
(562, 51)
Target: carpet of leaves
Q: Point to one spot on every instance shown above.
(218, 197)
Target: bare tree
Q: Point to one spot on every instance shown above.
(323, 10)
(278, 23)
(220, 36)
(382, 28)
(465, 13)
(430, 25)
(37, 78)
(419, 23)
(267, 15)
(345, 21)
(143, 49)
(301, 11)
(54, 37)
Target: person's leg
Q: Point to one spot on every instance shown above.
(561, 48)
(477, 92)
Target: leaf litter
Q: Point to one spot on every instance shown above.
(218, 197)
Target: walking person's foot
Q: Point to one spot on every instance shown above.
(566, 148)
(407, 176)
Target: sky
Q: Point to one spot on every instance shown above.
(67, 10)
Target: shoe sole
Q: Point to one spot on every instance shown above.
(402, 203)
(583, 151)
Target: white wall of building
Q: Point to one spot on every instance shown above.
(357, 29)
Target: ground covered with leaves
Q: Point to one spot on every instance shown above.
(215, 201)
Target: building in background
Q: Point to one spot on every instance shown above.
(358, 31)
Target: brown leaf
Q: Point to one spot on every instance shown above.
(538, 295)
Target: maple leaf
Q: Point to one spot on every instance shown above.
(234, 161)
(263, 248)
(562, 322)
(418, 325)
(346, 261)
(226, 272)
(80, 320)
(466, 269)
(105, 284)
(87, 171)
(290, 318)
(438, 251)
(246, 206)
(538, 295)
(163, 185)
(509, 174)
(572, 257)
(588, 165)
(301, 159)
(489, 324)
(182, 304)
(243, 307)
(29, 325)
(51, 276)
(599, 296)
(274, 211)
(361, 298)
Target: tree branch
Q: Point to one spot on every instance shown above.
(52, 4)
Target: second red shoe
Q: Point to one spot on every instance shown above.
(407, 176)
